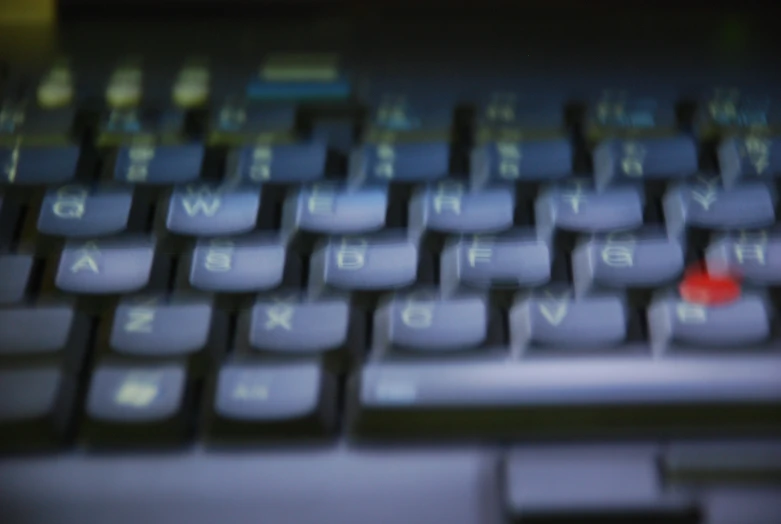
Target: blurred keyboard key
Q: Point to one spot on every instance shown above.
(535, 160)
(704, 203)
(246, 264)
(38, 165)
(752, 156)
(107, 266)
(15, 275)
(618, 113)
(728, 110)
(36, 406)
(281, 163)
(136, 404)
(335, 209)
(554, 318)
(642, 259)
(158, 164)
(644, 159)
(236, 122)
(83, 211)
(364, 263)
(401, 162)
(577, 206)
(273, 400)
(754, 255)
(209, 209)
(673, 321)
(513, 259)
(451, 207)
(288, 76)
(425, 323)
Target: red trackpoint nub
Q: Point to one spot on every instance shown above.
(701, 287)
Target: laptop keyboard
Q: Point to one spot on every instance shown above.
(227, 270)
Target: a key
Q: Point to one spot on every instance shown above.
(137, 404)
(335, 209)
(676, 323)
(208, 209)
(533, 160)
(597, 396)
(44, 334)
(426, 323)
(577, 206)
(36, 406)
(621, 160)
(280, 163)
(272, 400)
(753, 254)
(38, 165)
(159, 326)
(554, 318)
(158, 164)
(706, 204)
(451, 207)
(751, 156)
(115, 265)
(517, 258)
(246, 264)
(79, 211)
(15, 274)
(617, 112)
(639, 259)
(400, 162)
(379, 262)
(726, 111)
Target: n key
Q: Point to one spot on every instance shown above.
(83, 211)
(644, 159)
(754, 254)
(208, 209)
(755, 155)
(280, 163)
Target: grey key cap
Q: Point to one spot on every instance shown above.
(644, 159)
(335, 209)
(162, 326)
(513, 259)
(594, 396)
(577, 206)
(451, 207)
(752, 156)
(136, 404)
(555, 318)
(35, 407)
(364, 263)
(641, 259)
(421, 321)
(273, 400)
(106, 266)
(15, 273)
(674, 322)
(82, 211)
(706, 204)
(524, 160)
(754, 255)
(250, 263)
(208, 209)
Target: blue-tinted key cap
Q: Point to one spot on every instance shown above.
(364, 263)
(159, 326)
(451, 207)
(617, 112)
(38, 165)
(728, 110)
(84, 211)
(704, 203)
(251, 263)
(299, 77)
(401, 162)
(396, 114)
(673, 321)
(208, 209)
(523, 160)
(281, 163)
(290, 323)
(424, 322)
(158, 164)
(334, 209)
(555, 318)
(513, 259)
(511, 112)
(106, 266)
(255, 400)
(755, 255)
(641, 259)
(35, 406)
(751, 156)
(15, 272)
(237, 122)
(577, 206)
(644, 159)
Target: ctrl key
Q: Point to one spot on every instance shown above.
(35, 408)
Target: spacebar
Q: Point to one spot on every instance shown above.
(574, 397)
